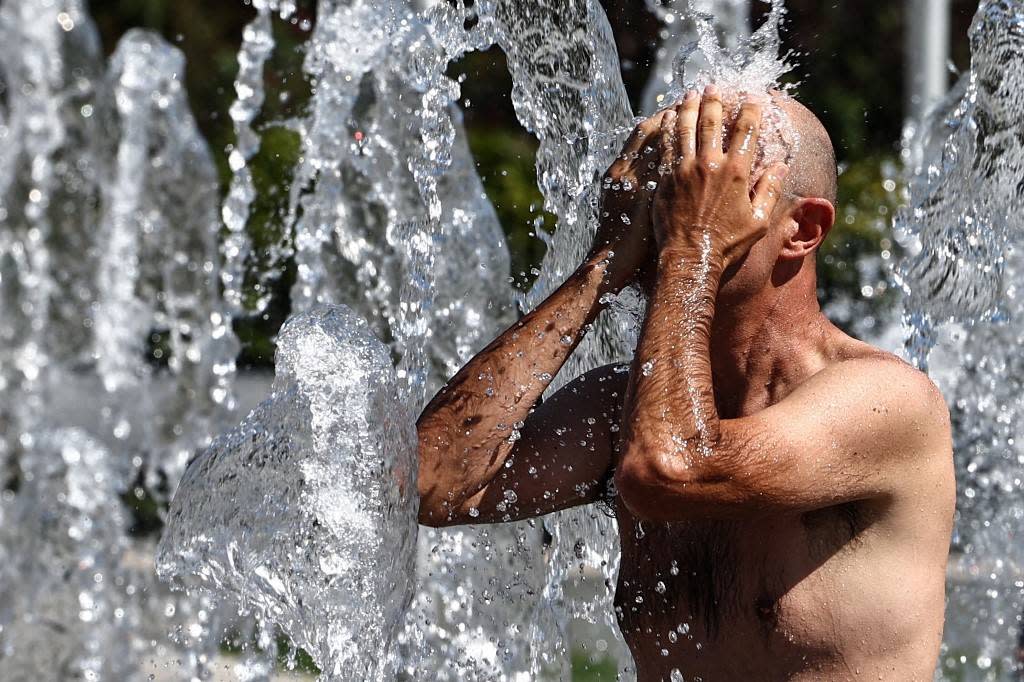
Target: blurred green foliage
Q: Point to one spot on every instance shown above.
(506, 163)
(588, 669)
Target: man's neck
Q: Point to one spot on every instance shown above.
(765, 346)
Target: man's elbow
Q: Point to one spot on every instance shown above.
(433, 518)
(655, 486)
(435, 510)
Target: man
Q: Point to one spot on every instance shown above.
(784, 492)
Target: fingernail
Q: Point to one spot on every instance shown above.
(711, 89)
(783, 172)
(690, 95)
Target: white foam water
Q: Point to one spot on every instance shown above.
(307, 509)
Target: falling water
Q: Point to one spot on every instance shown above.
(730, 20)
(117, 357)
(962, 233)
(257, 46)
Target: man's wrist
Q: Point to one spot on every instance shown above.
(602, 261)
(690, 250)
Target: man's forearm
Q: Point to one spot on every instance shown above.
(670, 403)
(468, 430)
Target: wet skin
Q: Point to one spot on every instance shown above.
(784, 492)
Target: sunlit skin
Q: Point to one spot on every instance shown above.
(784, 492)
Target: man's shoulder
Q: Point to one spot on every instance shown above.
(889, 378)
(878, 391)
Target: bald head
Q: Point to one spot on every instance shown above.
(812, 158)
(793, 135)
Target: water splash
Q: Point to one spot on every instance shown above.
(62, 530)
(118, 358)
(965, 196)
(318, 531)
(257, 46)
(727, 54)
(48, 75)
(731, 23)
(368, 232)
(961, 232)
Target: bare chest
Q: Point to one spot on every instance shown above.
(771, 585)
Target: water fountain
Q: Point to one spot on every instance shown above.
(301, 518)
(109, 257)
(962, 235)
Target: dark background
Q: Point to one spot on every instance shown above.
(849, 57)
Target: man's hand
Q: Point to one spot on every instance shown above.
(704, 199)
(626, 195)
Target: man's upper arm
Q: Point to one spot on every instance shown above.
(563, 456)
(855, 431)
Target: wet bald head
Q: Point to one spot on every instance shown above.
(793, 135)
(812, 158)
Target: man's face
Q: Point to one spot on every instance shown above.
(754, 273)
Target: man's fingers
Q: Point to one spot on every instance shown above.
(768, 191)
(745, 134)
(668, 139)
(686, 125)
(709, 137)
(652, 128)
(639, 144)
(646, 130)
(635, 142)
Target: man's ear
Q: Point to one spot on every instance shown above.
(812, 219)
